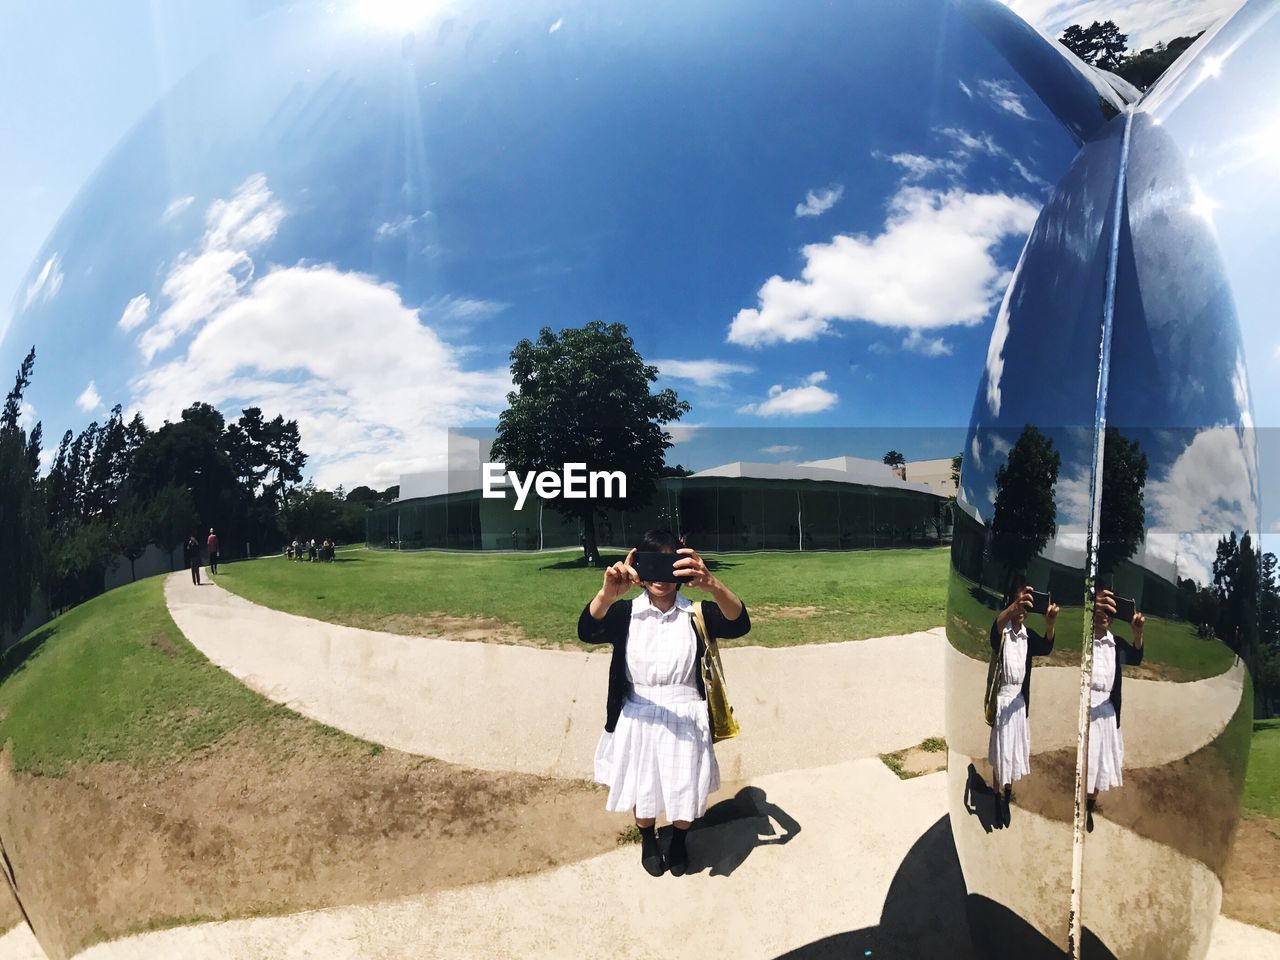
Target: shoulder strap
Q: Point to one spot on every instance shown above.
(700, 623)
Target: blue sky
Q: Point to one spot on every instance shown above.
(788, 265)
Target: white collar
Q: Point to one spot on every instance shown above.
(1105, 639)
(643, 604)
(1020, 631)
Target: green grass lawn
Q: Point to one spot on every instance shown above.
(1172, 649)
(1262, 782)
(114, 679)
(793, 598)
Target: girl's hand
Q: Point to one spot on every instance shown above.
(1104, 600)
(619, 578)
(1051, 615)
(692, 569)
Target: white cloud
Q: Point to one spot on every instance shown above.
(175, 208)
(683, 432)
(932, 266)
(807, 398)
(203, 282)
(398, 228)
(916, 166)
(917, 342)
(1145, 21)
(1001, 94)
(46, 284)
(26, 416)
(965, 89)
(136, 312)
(455, 310)
(1207, 492)
(372, 387)
(995, 348)
(818, 202)
(778, 449)
(556, 26)
(706, 373)
(89, 400)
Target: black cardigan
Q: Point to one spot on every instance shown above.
(1037, 646)
(1126, 654)
(614, 627)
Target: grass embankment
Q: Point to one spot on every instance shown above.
(793, 598)
(1173, 651)
(115, 680)
(142, 787)
(1262, 781)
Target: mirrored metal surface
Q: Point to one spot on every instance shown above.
(1170, 290)
(354, 214)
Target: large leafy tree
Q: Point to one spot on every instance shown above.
(1025, 515)
(1122, 524)
(21, 511)
(1101, 43)
(584, 395)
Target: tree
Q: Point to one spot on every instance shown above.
(956, 463)
(1122, 522)
(583, 396)
(172, 515)
(1025, 514)
(131, 531)
(897, 463)
(1145, 67)
(21, 511)
(1100, 44)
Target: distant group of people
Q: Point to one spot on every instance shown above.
(310, 550)
(192, 557)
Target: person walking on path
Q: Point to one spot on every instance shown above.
(192, 555)
(213, 553)
(656, 755)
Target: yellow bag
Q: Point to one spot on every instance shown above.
(723, 725)
(995, 671)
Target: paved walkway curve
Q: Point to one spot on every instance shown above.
(530, 710)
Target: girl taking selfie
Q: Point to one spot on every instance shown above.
(656, 754)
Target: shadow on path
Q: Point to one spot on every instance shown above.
(723, 839)
(923, 915)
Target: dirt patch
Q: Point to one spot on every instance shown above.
(763, 613)
(1251, 893)
(1144, 671)
(449, 627)
(927, 757)
(273, 824)
(161, 642)
(10, 915)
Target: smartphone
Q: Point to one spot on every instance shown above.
(1040, 602)
(657, 567)
(1125, 609)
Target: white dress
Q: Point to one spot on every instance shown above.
(1009, 748)
(659, 758)
(1106, 742)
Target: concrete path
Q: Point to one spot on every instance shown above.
(1163, 721)
(506, 707)
(868, 862)
(20, 944)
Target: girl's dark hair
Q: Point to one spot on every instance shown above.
(659, 540)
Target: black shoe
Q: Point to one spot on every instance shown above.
(1088, 817)
(650, 854)
(677, 855)
(1008, 806)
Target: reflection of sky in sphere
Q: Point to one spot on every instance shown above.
(353, 216)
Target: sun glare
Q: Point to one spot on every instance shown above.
(394, 14)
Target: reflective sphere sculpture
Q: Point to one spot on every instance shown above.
(1112, 446)
(354, 214)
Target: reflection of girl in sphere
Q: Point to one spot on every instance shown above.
(1013, 644)
(1106, 743)
(655, 754)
